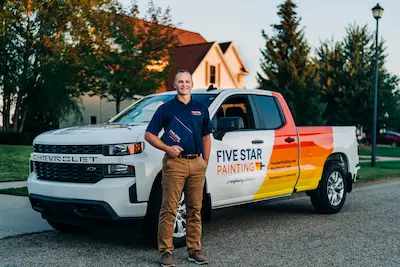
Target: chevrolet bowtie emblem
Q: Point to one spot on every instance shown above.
(91, 169)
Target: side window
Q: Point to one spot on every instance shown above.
(236, 106)
(212, 74)
(268, 112)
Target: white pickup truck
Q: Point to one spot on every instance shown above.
(108, 172)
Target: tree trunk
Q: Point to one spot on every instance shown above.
(117, 104)
(18, 112)
(6, 112)
(22, 122)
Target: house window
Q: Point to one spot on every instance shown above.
(93, 120)
(212, 74)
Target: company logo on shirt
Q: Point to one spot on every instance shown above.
(235, 161)
(174, 136)
(196, 113)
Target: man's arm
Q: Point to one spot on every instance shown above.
(206, 147)
(154, 140)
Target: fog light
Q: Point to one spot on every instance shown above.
(132, 194)
(120, 170)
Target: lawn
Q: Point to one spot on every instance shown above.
(14, 162)
(381, 170)
(384, 151)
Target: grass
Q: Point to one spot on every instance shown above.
(383, 151)
(14, 162)
(381, 170)
(20, 191)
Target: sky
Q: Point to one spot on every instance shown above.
(242, 21)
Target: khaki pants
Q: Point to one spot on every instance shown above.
(181, 174)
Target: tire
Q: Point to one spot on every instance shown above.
(330, 195)
(63, 227)
(151, 222)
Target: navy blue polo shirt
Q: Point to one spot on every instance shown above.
(193, 114)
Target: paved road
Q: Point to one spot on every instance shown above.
(285, 233)
(17, 216)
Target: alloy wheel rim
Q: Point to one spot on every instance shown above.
(180, 219)
(335, 188)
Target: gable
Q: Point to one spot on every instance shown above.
(233, 59)
(223, 77)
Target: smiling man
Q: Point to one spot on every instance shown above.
(186, 143)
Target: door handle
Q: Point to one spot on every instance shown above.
(289, 139)
(257, 142)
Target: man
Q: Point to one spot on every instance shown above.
(186, 143)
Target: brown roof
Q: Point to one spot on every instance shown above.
(183, 37)
(188, 38)
(224, 46)
(187, 57)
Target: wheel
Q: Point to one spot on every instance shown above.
(151, 226)
(330, 195)
(63, 227)
(179, 235)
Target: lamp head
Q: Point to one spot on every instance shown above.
(377, 11)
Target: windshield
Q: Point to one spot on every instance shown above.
(143, 110)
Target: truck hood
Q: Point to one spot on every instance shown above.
(93, 135)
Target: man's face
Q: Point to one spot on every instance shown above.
(183, 83)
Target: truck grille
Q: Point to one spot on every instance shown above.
(66, 172)
(69, 149)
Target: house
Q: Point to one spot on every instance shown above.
(211, 63)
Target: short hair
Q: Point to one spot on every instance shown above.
(183, 71)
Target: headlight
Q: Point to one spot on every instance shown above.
(125, 149)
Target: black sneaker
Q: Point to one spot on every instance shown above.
(198, 257)
(167, 260)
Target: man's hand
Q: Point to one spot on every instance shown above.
(174, 151)
(154, 140)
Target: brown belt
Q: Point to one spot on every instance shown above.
(189, 156)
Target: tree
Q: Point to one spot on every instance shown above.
(134, 60)
(38, 42)
(287, 68)
(346, 77)
(330, 63)
(10, 49)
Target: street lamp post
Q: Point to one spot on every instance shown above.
(377, 13)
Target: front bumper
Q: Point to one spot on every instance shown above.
(76, 211)
(109, 196)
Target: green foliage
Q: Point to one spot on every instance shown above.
(54, 51)
(337, 83)
(125, 63)
(286, 67)
(346, 76)
(41, 62)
